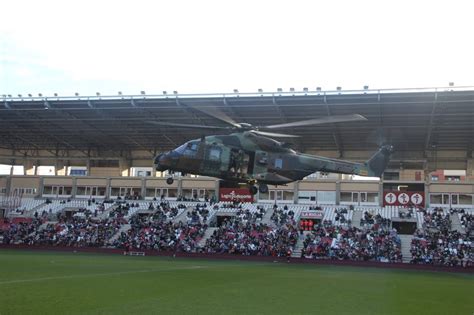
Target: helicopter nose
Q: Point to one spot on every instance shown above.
(161, 162)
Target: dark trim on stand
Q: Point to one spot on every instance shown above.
(323, 262)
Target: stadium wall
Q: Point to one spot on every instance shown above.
(242, 258)
(52, 186)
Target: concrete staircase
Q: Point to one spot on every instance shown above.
(406, 245)
(105, 214)
(299, 245)
(124, 228)
(31, 213)
(456, 223)
(356, 218)
(207, 234)
(182, 217)
(267, 217)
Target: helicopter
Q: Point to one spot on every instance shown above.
(251, 156)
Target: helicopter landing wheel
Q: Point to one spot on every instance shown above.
(170, 180)
(253, 189)
(263, 188)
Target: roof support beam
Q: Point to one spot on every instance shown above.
(335, 132)
(429, 130)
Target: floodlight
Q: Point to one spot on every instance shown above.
(142, 92)
(260, 90)
(305, 89)
(97, 93)
(366, 87)
(338, 88)
(280, 90)
(29, 94)
(236, 91)
(164, 92)
(175, 92)
(77, 94)
(292, 89)
(19, 95)
(451, 83)
(318, 89)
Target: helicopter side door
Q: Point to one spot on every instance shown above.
(261, 161)
(216, 159)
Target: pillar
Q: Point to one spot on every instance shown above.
(143, 188)
(88, 165)
(124, 166)
(28, 167)
(338, 190)
(107, 188)
(74, 187)
(470, 169)
(180, 187)
(296, 189)
(217, 190)
(381, 192)
(37, 164)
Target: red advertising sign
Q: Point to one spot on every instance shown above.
(235, 194)
(404, 198)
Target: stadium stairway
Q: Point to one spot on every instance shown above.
(299, 245)
(207, 234)
(182, 216)
(456, 223)
(356, 218)
(124, 228)
(106, 213)
(267, 217)
(31, 213)
(406, 246)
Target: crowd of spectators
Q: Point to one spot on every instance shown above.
(239, 237)
(77, 231)
(437, 220)
(199, 214)
(441, 247)
(327, 241)
(467, 222)
(156, 233)
(283, 216)
(245, 234)
(340, 216)
(22, 232)
(368, 219)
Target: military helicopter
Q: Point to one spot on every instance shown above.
(250, 155)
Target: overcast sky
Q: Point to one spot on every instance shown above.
(216, 46)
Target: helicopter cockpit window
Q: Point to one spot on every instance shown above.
(189, 148)
(278, 163)
(215, 153)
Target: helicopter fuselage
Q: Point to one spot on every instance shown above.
(246, 157)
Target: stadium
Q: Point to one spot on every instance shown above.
(88, 225)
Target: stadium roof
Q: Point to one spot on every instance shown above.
(412, 120)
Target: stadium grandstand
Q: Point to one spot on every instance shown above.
(103, 191)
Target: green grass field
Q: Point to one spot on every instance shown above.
(68, 283)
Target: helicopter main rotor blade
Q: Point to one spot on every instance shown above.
(273, 134)
(217, 113)
(162, 123)
(318, 121)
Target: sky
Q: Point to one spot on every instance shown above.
(208, 46)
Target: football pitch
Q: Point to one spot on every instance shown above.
(73, 283)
